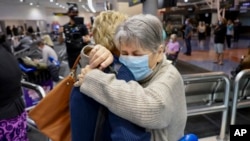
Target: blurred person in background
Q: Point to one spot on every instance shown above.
(76, 35)
(237, 29)
(48, 41)
(172, 48)
(219, 40)
(187, 36)
(230, 32)
(201, 34)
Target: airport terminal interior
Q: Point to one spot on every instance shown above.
(217, 93)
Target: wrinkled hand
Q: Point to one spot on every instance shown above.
(100, 57)
(81, 76)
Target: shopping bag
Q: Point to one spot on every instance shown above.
(51, 114)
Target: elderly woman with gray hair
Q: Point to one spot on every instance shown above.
(156, 100)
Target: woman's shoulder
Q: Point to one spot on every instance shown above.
(167, 67)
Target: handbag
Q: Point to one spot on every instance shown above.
(51, 114)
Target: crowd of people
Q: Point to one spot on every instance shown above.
(222, 33)
(18, 30)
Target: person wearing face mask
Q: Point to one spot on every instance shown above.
(76, 35)
(156, 99)
(172, 48)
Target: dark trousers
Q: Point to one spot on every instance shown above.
(188, 45)
(236, 35)
(71, 58)
(228, 39)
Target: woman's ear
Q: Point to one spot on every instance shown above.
(160, 53)
(160, 49)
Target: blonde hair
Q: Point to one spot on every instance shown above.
(104, 28)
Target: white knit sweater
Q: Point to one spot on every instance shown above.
(158, 103)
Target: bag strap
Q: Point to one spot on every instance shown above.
(76, 62)
(73, 69)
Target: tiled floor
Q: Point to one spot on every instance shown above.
(205, 57)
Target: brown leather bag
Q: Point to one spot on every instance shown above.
(51, 114)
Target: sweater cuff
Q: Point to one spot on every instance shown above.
(84, 55)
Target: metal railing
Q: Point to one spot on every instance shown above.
(218, 107)
(237, 101)
(37, 88)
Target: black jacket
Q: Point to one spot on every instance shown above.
(11, 103)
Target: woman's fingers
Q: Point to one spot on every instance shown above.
(80, 78)
(100, 57)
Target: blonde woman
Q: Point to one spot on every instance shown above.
(84, 110)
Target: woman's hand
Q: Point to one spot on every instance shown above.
(100, 57)
(81, 76)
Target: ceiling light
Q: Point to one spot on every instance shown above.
(90, 4)
(80, 0)
(21, 0)
(57, 3)
(84, 7)
(51, 0)
(185, 0)
(31, 3)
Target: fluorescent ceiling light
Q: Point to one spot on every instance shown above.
(31, 3)
(84, 7)
(185, 0)
(90, 4)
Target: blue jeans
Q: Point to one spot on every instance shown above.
(84, 112)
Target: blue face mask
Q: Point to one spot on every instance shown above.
(138, 65)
